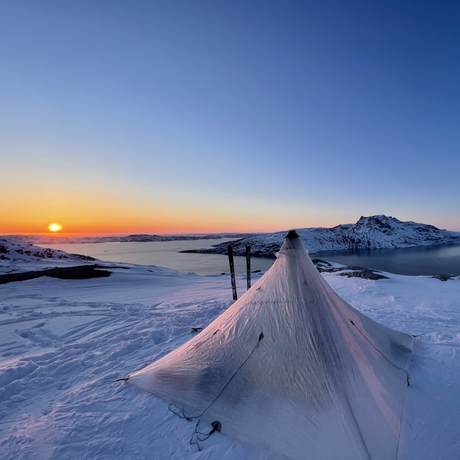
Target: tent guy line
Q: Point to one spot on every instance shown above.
(191, 417)
(393, 364)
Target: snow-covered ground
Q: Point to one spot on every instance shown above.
(22, 257)
(64, 342)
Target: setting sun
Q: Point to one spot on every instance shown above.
(54, 227)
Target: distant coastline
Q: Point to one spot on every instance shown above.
(125, 238)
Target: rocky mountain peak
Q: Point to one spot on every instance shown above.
(380, 222)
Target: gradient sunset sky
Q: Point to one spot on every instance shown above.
(211, 116)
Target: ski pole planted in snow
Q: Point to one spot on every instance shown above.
(232, 272)
(248, 264)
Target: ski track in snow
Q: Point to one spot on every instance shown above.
(64, 342)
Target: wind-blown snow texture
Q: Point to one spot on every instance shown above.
(368, 233)
(64, 342)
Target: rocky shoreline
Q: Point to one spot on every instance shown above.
(78, 272)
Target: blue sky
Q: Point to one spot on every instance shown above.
(177, 116)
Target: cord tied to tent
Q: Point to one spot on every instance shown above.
(217, 426)
(393, 364)
(261, 336)
(189, 419)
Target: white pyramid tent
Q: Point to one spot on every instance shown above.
(293, 368)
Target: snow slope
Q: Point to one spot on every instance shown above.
(64, 342)
(368, 233)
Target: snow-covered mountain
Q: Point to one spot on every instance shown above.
(372, 232)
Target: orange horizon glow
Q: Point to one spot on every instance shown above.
(29, 212)
(99, 212)
(163, 230)
(169, 225)
(175, 225)
(92, 212)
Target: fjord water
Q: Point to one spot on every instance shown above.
(424, 260)
(166, 254)
(421, 260)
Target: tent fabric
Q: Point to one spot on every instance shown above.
(293, 368)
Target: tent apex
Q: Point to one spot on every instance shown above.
(292, 235)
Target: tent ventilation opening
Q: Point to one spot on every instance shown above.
(393, 364)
